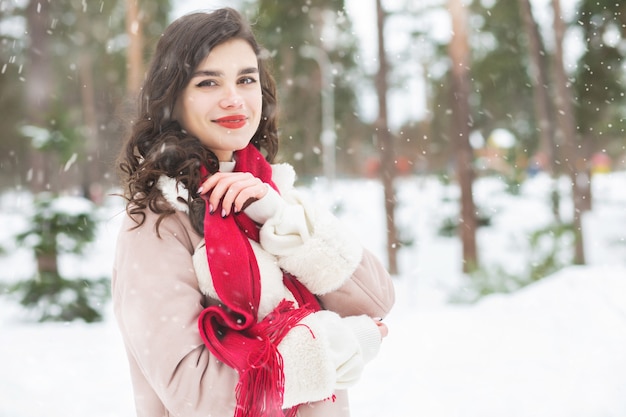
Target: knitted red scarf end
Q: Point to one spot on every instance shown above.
(253, 397)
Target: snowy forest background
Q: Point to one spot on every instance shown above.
(476, 146)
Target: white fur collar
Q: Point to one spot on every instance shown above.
(173, 192)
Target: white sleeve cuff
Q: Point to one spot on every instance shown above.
(309, 372)
(313, 246)
(261, 210)
(326, 353)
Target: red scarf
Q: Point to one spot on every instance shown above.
(231, 330)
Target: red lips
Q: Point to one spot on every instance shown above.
(235, 121)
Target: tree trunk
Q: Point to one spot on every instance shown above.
(460, 57)
(38, 103)
(539, 79)
(385, 142)
(134, 53)
(38, 89)
(90, 169)
(91, 173)
(544, 112)
(567, 124)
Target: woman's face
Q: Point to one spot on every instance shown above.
(221, 105)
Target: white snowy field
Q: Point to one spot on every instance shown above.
(556, 348)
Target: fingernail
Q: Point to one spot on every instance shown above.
(200, 190)
(211, 208)
(223, 213)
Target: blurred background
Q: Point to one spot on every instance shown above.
(379, 90)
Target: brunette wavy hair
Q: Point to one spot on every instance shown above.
(157, 145)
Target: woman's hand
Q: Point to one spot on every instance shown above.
(382, 327)
(236, 190)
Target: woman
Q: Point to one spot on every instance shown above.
(234, 295)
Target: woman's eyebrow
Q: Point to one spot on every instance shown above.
(211, 73)
(251, 70)
(207, 73)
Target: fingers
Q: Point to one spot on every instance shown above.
(236, 190)
(382, 327)
(384, 330)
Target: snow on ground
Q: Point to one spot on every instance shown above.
(552, 349)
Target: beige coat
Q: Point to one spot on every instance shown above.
(157, 300)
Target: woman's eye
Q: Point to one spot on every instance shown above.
(247, 80)
(206, 83)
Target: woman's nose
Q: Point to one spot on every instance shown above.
(231, 99)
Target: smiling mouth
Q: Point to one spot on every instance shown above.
(232, 122)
